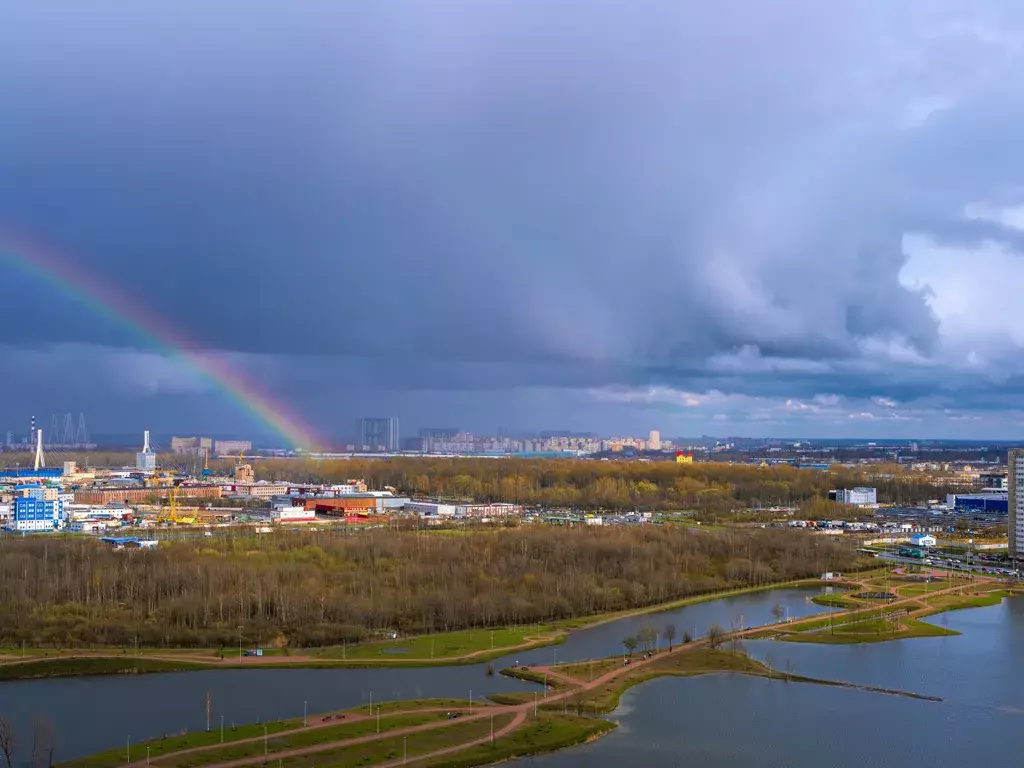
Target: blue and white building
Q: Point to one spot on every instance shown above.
(35, 515)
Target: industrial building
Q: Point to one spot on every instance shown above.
(437, 509)
(105, 495)
(860, 496)
(989, 501)
(260, 490)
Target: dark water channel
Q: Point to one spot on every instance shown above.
(94, 713)
(742, 722)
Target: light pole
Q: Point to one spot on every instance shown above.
(492, 728)
(147, 755)
(128, 750)
(405, 749)
(266, 749)
(371, 702)
(222, 729)
(304, 714)
(471, 701)
(378, 719)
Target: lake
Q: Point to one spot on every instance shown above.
(94, 713)
(740, 722)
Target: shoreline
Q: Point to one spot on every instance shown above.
(154, 660)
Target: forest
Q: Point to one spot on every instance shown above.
(712, 488)
(300, 589)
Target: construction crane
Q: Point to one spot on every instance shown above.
(206, 462)
(171, 515)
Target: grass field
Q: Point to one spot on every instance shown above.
(836, 601)
(297, 740)
(870, 631)
(588, 670)
(694, 662)
(445, 645)
(545, 734)
(396, 747)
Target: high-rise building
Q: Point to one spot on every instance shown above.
(191, 446)
(376, 434)
(654, 440)
(438, 433)
(232, 447)
(1015, 507)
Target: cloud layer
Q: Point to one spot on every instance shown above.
(797, 215)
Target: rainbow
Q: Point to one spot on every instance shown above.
(33, 259)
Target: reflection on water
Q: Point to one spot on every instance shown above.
(737, 721)
(97, 713)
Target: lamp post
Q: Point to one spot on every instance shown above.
(304, 708)
(222, 729)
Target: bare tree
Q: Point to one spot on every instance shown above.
(669, 633)
(7, 741)
(716, 635)
(647, 637)
(630, 643)
(687, 638)
(209, 710)
(778, 612)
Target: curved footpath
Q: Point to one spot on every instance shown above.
(520, 711)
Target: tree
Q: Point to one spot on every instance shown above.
(778, 612)
(209, 710)
(7, 742)
(669, 633)
(630, 643)
(647, 638)
(687, 638)
(716, 635)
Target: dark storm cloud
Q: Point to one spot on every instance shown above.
(483, 196)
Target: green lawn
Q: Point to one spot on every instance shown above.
(545, 734)
(445, 645)
(836, 601)
(870, 631)
(588, 670)
(395, 747)
(297, 740)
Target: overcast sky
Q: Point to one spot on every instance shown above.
(790, 218)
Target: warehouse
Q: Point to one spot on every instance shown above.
(994, 501)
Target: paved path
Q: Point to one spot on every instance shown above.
(520, 711)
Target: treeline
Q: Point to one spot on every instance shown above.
(306, 588)
(711, 486)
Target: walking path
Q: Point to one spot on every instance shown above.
(573, 687)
